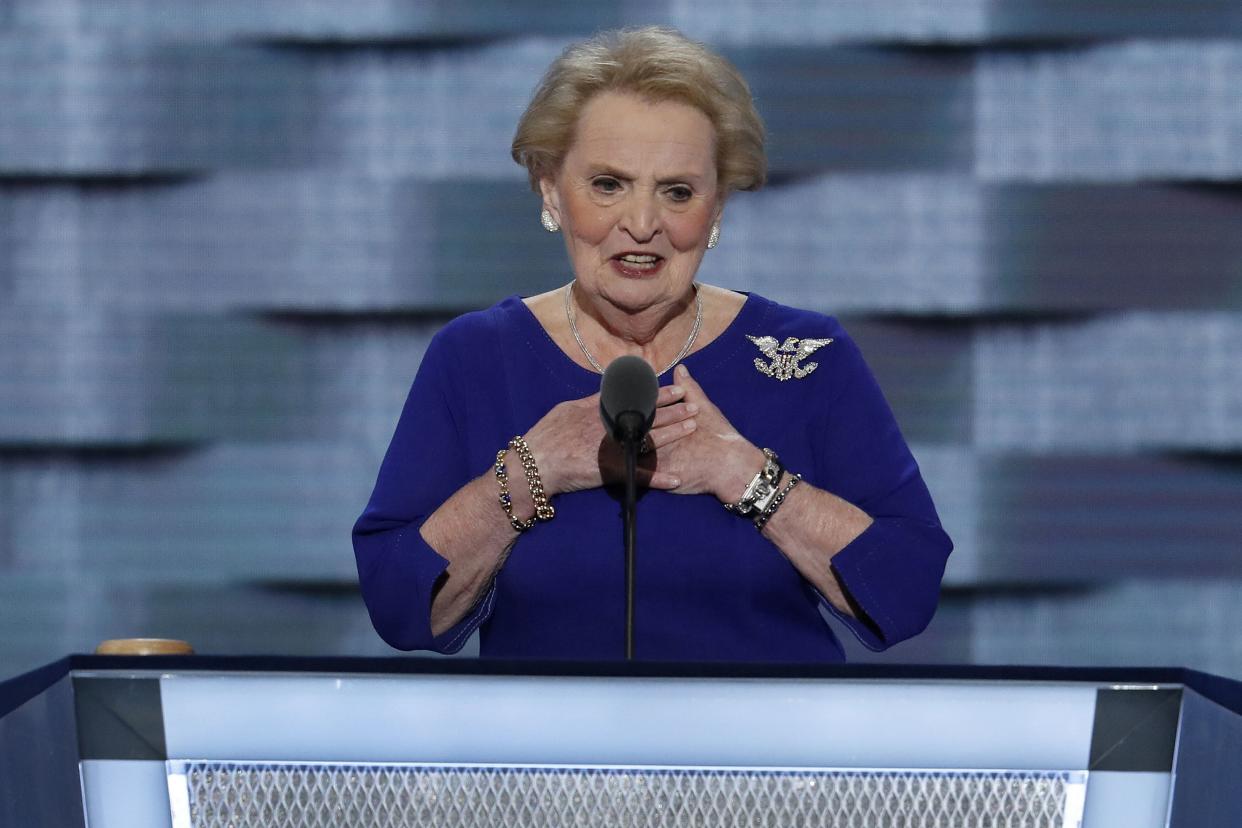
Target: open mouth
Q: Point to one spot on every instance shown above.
(637, 264)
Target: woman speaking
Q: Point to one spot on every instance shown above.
(777, 483)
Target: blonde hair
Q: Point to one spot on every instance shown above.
(655, 63)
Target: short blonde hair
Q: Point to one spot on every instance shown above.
(655, 63)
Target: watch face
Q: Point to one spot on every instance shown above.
(764, 497)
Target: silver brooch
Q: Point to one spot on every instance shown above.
(786, 356)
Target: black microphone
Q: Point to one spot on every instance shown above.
(627, 402)
(627, 399)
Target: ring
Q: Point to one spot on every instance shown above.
(646, 447)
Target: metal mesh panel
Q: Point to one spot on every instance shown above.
(241, 795)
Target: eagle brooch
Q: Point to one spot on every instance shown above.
(786, 356)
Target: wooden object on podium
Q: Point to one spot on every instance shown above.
(144, 647)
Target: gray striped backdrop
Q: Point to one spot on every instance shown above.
(228, 228)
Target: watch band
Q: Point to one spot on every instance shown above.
(762, 487)
(761, 519)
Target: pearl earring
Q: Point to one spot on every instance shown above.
(549, 223)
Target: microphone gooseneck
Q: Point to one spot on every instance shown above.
(627, 401)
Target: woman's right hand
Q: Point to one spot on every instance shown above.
(573, 452)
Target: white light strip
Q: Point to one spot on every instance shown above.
(1075, 802)
(179, 798)
(514, 720)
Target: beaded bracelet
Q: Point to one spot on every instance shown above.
(506, 501)
(761, 520)
(543, 509)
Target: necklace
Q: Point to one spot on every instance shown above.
(685, 349)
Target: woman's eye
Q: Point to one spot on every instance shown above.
(607, 186)
(680, 193)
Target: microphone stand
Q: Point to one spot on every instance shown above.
(627, 402)
(631, 427)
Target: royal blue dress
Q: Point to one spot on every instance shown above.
(709, 587)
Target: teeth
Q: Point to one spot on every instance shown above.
(635, 259)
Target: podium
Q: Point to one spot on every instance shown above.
(199, 742)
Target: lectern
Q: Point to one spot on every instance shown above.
(207, 742)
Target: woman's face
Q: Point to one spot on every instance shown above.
(636, 197)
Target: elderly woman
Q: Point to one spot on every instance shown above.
(777, 485)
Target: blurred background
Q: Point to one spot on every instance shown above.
(228, 229)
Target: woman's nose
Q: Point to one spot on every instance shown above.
(641, 217)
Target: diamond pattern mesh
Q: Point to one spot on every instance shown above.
(234, 795)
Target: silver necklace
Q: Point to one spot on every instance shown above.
(685, 349)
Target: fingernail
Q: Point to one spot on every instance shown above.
(674, 482)
(690, 425)
(692, 408)
(676, 390)
(682, 371)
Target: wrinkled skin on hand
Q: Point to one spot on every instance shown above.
(692, 448)
(574, 452)
(713, 458)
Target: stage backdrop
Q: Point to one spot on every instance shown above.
(227, 230)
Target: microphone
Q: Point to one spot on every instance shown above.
(627, 399)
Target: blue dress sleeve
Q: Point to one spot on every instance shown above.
(425, 464)
(892, 571)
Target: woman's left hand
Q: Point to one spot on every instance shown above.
(714, 459)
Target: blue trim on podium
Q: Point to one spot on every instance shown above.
(20, 689)
(1207, 791)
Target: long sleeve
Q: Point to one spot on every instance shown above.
(892, 571)
(425, 464)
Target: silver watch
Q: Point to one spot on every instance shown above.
(762, 487)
